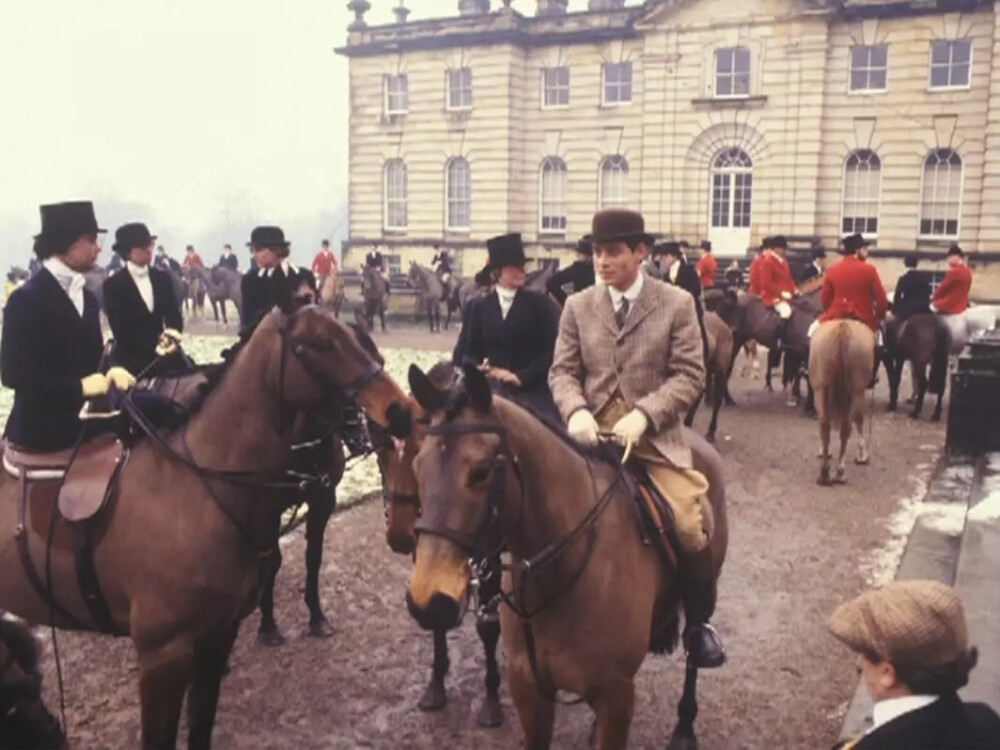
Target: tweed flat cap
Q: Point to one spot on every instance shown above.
(919, 623)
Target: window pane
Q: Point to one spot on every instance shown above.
(960, 52)
(724, 86)
(742, 60)
(859, 80)
(859, 57)
(879, 56)
(960, 75)
(939, 76)
(741, 85)
(724, 60)
(877, 79)
(939, 52)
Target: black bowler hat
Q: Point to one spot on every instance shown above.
(911, 260)
(267, 237)
(854, 242)
(706, 246)
(68, 220)
(955, 250)
(505, 250)
(585, 245)
(130, 236)
(667, 248)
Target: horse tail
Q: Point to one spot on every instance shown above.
(841, 392)
(939, 359)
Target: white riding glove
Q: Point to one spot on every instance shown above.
(121, 378)
(631, 427)
(95, 385)
(582, 427)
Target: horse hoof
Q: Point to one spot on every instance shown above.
(270, 638)
(840, 477)
(710, 437)
(936, 416)
(682, 742)
(862, 460)
(434, 698)
(490, 715)
(824, 481)
(320, 628)
(914, 415)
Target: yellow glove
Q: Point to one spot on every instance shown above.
(631, 427)
(95, 385)
(582, 427)
(168, 342)
(120, 378)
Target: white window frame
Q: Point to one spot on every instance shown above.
(733, 74)
(451, 200)
(556, 87)
(867, 155)
(868, 69)
(936, 154)
(624, 65)
(394, 201)
(557, 165)
(931, 65)
(387, 94)
(464, 89)
(613, 164)
(731, 164)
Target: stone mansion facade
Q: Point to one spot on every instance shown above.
(718, 119)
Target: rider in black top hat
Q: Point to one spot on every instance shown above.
(580, 273)
(51, 346)
(682, 274)
(143, 312)
(817, 267)
(913, 290)
(273, 276)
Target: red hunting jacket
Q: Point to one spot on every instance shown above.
(706, 267)
(754, 286)
(775, 278)
(323, 263)
(952, 295)
(852, 289)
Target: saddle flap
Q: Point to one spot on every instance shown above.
(654, 515)
(18, 458)
(88, 479)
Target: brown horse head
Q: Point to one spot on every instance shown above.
(25, 722)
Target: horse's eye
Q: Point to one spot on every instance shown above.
(478, 475)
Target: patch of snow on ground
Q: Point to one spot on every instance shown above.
(987, 509)
(945, 518)
(879, 566)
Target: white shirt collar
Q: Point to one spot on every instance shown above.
(631, 294)
(892, 708)
(285, 266)
(505, 294)
(138, 272)
(72, 282)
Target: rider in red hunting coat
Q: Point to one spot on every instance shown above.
(777, 287)
(853, 289)
(952, 295)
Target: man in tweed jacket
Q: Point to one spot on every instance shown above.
(629, 360)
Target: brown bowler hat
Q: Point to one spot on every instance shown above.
(619, 225)
(918, 623)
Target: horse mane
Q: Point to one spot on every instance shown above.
(214, 374)
(21, 644)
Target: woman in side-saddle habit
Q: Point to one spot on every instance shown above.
(510, 333)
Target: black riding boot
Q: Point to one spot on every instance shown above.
(698, 592)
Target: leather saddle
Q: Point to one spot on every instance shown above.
(654, 516)
(80, 481)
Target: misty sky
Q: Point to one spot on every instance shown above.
(200, 117)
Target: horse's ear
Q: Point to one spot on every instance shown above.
(424, 391)
(400, 421)
(478, 388)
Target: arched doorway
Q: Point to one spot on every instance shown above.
(730, 201)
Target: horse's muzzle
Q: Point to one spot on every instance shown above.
(441, 613)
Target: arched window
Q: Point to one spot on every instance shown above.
(614, 182)
(395, 195)
(941, 195)
(458, 188)
(862, 187)
(552, 195)
(732, 189)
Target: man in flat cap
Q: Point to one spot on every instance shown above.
(914, 656)
(629, 361)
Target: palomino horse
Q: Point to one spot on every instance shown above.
(492, 476)
(402, 509)
(841, 361)
(331, 292)
(924, 340)
(374, 290)
(429, 293)
(25, 722)
(720, 355)
(179, 547)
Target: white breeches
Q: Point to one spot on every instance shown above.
(812, 328)
(783, 309)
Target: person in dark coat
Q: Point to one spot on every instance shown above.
(164, 262)
(51, 345)
(142, 310)
(680, 273)
(273, 276)
(913, 290)
(116, 264)
(734, 276)
(816, 268)
(228, 259)
(911, 639)
(510, 333)
(580, 274)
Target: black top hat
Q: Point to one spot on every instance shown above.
(667, 248)
(955, 250)
(911, 260)
(505, 250)
(706, 246)
(779, 241)
(817, 253)
(267, 237)
(585, 245)
(68, 220)
(767, 242)
(619, 225)
(854, 242)
(130, 236)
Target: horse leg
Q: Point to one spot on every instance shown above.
(859, 425)
(810, 405)
(203, 697)
(840, 475)
(824, 441)
(684, 737)
(894, 372)
(268, 633)
(536, 712)
(614, 709)
(164, 675)
(490, 714)
(920, 385)
(435, 698)
(381, 316)
(936, 416)
(321, 505)
(719, 394)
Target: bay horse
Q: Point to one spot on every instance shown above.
(401, 499)
(374, 290)
(923, 340)
(720, 355)
(181, 548)
(25, 722)
(841, 362)
(331, 292)
(493, 476)
(429, 292)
